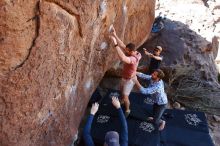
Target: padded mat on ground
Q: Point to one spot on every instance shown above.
(183, 128)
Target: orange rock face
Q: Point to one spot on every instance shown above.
(53, 53)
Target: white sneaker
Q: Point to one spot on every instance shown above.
(162, 125)
(150, 119)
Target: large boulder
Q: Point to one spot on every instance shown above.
(53, 55)
(191, 44)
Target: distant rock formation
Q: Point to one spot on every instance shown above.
(53, 55)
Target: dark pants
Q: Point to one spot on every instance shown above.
(158, 111)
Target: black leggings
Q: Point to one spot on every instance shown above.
(158, 111)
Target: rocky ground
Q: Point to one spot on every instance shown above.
(214, 128)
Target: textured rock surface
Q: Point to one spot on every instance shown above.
(53, 54)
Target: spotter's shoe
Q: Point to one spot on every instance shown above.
(162, 125)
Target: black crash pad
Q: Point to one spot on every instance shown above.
(183, 128)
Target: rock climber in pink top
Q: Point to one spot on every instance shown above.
(130, 57)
